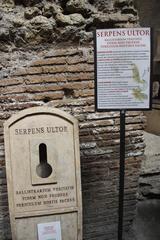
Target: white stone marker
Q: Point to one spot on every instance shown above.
(43, 172)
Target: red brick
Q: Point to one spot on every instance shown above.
(15, 98)
(50, 61)
(99, 123)
(81, 68)
(67, 68)
(79, 85)
(11, 81)
(13, 89)
(80, 76)
(63, 52)
(55, 69)
(30, 70)
(18, 106)
(75, 60)
(44, 78)
(42, 88)
(50, 96)
(70, 68)
(83, 93)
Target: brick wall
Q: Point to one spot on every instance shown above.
(64, 78)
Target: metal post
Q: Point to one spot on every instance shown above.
(121, 174)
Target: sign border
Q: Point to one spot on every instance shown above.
(95, 72)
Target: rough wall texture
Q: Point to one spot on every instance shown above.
(27, 28)
(38, 70)
(58, 21)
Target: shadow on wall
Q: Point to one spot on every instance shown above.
(147, 221)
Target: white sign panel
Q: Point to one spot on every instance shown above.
(49, 231)
(123, 68)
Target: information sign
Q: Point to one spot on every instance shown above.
(49, 231)
(123, 68)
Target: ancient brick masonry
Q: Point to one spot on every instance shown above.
(64, 78)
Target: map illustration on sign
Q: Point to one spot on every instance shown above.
(139, 92)
(49, 231)
(123, 68)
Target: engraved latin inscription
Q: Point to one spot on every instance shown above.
(41, 130)
(45, 196)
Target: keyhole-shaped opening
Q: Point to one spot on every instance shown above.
(43, 169)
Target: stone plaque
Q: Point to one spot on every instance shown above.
(43, 172)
